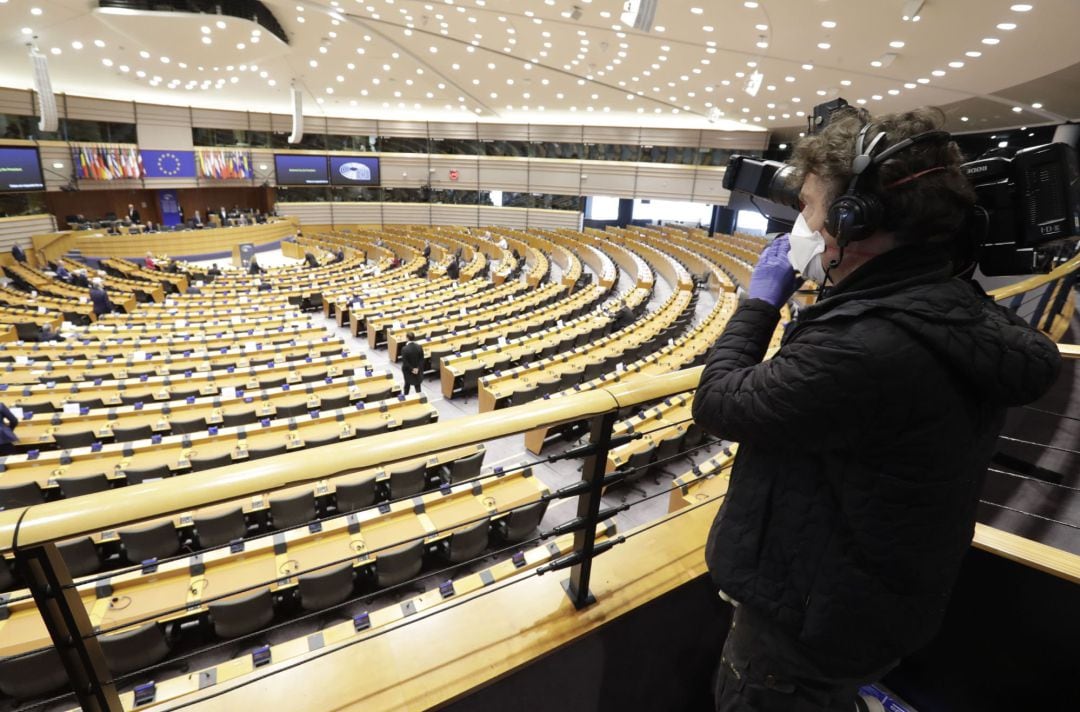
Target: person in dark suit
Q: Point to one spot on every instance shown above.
(339, 256)
(310, 259)
(79, 279)
(412, 363)
(62, 273)
(180, 213)
(427, 249)
(100, 299)
(133, 215)
(18, 254)
(253, 266)
(214, 270)
(453, 271)
(8, 423)
(48, 333)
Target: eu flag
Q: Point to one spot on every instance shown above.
(169, 164)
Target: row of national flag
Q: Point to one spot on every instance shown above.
(118, 163)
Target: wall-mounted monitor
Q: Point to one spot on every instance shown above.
(354, 170)
(300, 170)
(20, 169)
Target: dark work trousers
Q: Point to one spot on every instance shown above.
(412, 380)
(762, 669)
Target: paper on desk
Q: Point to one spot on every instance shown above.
(71, 408)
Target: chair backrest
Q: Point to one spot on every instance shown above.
(134, 649)
(233, 617)
(380, 427)
(288, 512)
(422, 419)
(209, 463)
(7, 577)
(466, 467)
(196, 425)
(268, 451)
(354, 494)
(218, 529)
(139, 432)
(156, 541)
(21, 495)
(393, 566)
(78, 486)
(81, 556)
(327, 587)
(519, 523)
(231, 420)
(67, 441)
(407, 482)
(468, 542)
(137, 477)
(32, 675)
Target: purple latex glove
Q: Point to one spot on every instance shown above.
(773, 279)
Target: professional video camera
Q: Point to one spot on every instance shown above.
(1027, 211)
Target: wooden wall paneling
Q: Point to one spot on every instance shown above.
(53, 154)
(467, 167)
(664, 181)
(669, 137)
(19, 102)
(406, 213)
(555, 133)
(94, 204)
(357, 214)
(217, 119)
(735, 140)
(463, 131)
(554, 219)
(455, 215)
(404, 170)
(515, 218)
(553, 175)
(611, 134)
(406, 129)
(503, 132)
(82, 107)
(607, 178)
(17, 230)
(709, 186)
(307, 213)
(499, 173)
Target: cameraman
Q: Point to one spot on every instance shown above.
(864, 441)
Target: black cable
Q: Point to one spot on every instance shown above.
(1037, 480)
(665, 520)
(1050, 412)
(1042, 445)
(1030, 514)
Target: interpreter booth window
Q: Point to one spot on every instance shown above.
(361, 144)
(303, 195)
(455, 146)
(353, 194)
(455, 197)
(397, 144)
(15, 204)
(601, 207)
(309, 142)
(671, 212)
(551, 149)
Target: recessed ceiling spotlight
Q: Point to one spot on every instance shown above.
(76, 45)
(1017, 109)
(963, 118)
(990, 40)
(956, 65)
(824, 45)
(697, 10)
(897, 44)
(1007, 26)
(973, 54)
(750, 4)
(1021, 7)
(828, 24)
(1036, 105)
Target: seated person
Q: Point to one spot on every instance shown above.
(253, 266)
(48, 333)
(149, 261)
(79, 279)
(18, 254)
(453, 270)
(310, 260)
(214, 270)
(339, 256)
(62, 273)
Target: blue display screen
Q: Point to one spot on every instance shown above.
(301, 170)
(20, 169)
(354, 170)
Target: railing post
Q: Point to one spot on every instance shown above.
(577, 586)
(47, 576)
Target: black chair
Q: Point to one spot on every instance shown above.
(667, 451)
(379, 395)
(81, 556)
(232, 618)
(136, 648)
(382, 426)
(292, 511)
(137, 477)
(416, 420)
(520, 523)
(326, 587)
(7, 576)
(292, 411)
(408, 481)
(334, 403)
(22, 495)
(268, 451)
(399, 564)
(231, 420)
(465, 543)
(126, 435)
(356, 494)
(68, 441)
(156, 541)
(33, 675)
(78, 486)
(199, 464)
(462, 469)
(217, 529)
(198, 425)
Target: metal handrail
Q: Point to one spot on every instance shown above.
(1039, 280)
(64, 519)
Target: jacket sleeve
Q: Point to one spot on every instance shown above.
(8, 417)
(813, 394)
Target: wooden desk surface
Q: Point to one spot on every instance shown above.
(135, 595)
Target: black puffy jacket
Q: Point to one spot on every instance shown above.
(863, 446)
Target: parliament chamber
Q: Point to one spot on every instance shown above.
(396, 412)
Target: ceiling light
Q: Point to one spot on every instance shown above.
(1021, 7)
(828, 24)
(808, 67)
(1007, 26)
(761, 28)
(845, 82)
(750, 4)
(911, 10)
(824, 45)
(963, 118)
(27, 31)
(1036, 105)
(56, 50)
(206, 40)
(923, 80)
(76, 45)
(144, 54)
(938, 72)
(973, 54)
(897, 44)
(910, 85)
(1017, 109)
(956, 65)
(990, 40)
(220, 24)
(35, 11)
(99, 44)
(107, 62)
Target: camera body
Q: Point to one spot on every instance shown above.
(1027, 208)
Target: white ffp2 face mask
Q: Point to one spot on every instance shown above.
(806, 248)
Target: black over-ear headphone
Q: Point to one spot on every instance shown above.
(857, 215)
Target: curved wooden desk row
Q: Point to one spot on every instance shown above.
(274, 559)
(84, 348)
(441, 336)
(340, 307)
(195, 315)
(708, 480)
(10, 316)
(25, 371)
(340, 635)
(196, 414)
(407, 294)
(53, 396)
(164, 454)
(669, 420)
(177, 281)
(46, 304)
(463, 371)
(275, 320)
(378, 313)
(498, 388)
(461, 313)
